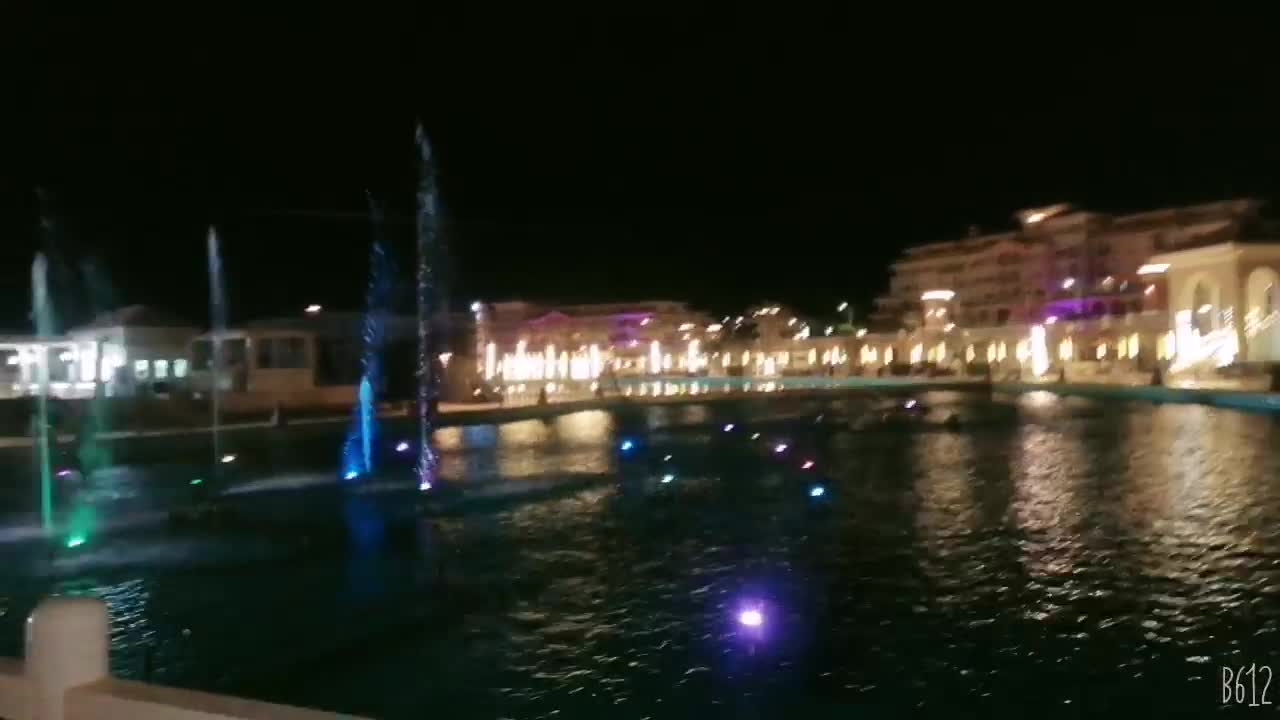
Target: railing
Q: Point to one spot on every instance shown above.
(66, 676)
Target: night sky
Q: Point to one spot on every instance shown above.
(719, 156)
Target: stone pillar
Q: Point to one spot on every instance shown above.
(67, 643)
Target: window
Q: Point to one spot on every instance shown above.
(141, 369)
(180, 368)
(281, 353)
(1002, 316)
(161, 369)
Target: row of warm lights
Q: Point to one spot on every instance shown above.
(82, 360)
(1126, 347)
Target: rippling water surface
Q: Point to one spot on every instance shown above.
(1052, 556)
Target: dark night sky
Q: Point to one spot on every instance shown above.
(720, 156)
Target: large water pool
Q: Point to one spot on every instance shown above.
(1046, 555)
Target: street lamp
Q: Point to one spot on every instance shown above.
(845, 307)
(313, 308)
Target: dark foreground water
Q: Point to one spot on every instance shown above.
(1057, 557)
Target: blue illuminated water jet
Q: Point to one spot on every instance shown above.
(358, 452)
(428, 232)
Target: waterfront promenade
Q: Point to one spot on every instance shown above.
(681, 390)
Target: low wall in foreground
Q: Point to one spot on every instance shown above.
(66, 677)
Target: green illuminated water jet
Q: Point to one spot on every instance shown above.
(42, 313)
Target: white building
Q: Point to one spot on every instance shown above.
(124, 352)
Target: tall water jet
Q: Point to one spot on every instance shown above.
(90, 451)
(358, 453)
(42, 313)
(428, 230)
(217, 328)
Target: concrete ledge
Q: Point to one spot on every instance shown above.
(14, 703)
(113, 699)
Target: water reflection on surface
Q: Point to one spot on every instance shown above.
(1050, 555)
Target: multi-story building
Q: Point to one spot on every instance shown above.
(1071, 286)
(1061, 262)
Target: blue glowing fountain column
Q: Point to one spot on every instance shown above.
(428, 228)
(359, 452)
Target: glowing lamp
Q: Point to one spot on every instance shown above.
(350, 475)
(313, 308)
(197, 481)
(807, 465)
(666, 458)
(755, 436)
(64, 473)
(1153, 268)
(402, 446)
(229, 458)
(780, 448)
(728, 427)
(668, 478)
(75, 541)
(626, 445)
(751, 618)
(909, 404)
(817, 491)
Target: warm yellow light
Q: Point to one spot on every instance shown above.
(1039, 351)
(943, 295)
(549, 362)
(564, 364)
(1135, 344)
(917, 352)
(888, 355)
(655, 357)
(969, 354)
(861, 332)
(1101, 352)
(490, 361)
(1002, 352)
(813, 356)
(1153, 268)
(692, 360)
(1021, 351)
(597, 364)
(991, 352)
(1149, 289)
(1066, 349)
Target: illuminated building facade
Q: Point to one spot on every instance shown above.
(129, 351)
(520, 342)
(1060, 262)
(525, 342)
(1174, 288)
